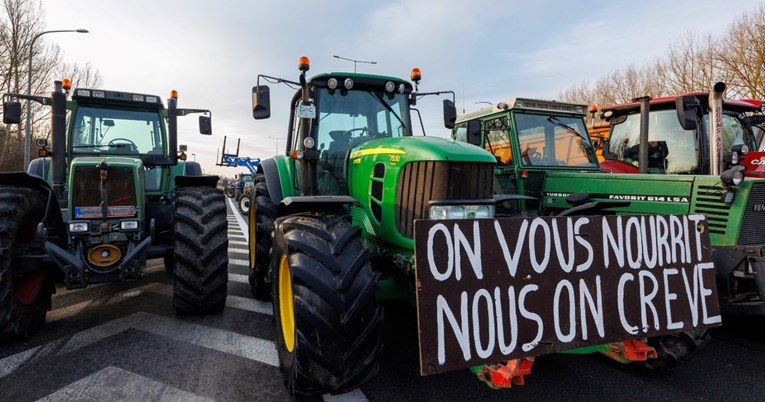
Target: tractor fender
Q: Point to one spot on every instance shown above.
(53, 218)
(271, 172)
(206, 181)
(293, 205)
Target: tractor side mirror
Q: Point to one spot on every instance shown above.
(687, 106)
(12, 112)
(450, 114)
(261, 102)
(205, 125)
(474, 132)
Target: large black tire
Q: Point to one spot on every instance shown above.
(200, 278)
(260, 229)
(328, 319)
(24, 301)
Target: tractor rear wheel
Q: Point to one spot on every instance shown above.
(201, 250)
(261, 227)
(327, 316)
(24, 298)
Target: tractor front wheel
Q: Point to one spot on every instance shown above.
(201, 250)
(261, 218)
(24, 298)
(244, 204)
(327, 316)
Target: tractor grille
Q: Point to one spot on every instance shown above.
(754, 217)
(421, 182)
(86, 192)
(709, 202)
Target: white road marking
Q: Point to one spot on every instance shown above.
(116, 384)
(238, 243)
(249, 304)
(238, 261)
(238, 278)
(242, 223)
(249, 347)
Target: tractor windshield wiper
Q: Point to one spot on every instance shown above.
(557, 122)
(387, 107)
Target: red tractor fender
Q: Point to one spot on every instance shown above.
(617, 166)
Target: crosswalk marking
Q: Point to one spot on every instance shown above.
(238, 261)
(113, 383)
(116, 384)
(249, 347)
(239, 219)
(238, 278)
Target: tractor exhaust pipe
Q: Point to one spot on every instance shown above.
(645, 109)
(58, 128)
(715, 129)
(172, 128)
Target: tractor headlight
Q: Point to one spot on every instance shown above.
(732, 177)
(79, 227)
(129, 225)
(439, 211)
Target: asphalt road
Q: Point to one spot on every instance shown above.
(124, 341)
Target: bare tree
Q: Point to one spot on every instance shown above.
(742, 54)
(693, 63)
(20, 22)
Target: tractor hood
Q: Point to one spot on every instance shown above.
(422, 148)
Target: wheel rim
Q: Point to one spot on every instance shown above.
(286, 304)
(252, 230)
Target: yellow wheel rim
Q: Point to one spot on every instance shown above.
(286, 304)
(252, 229)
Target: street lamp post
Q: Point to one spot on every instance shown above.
(277, 144)
(28, 134)
(354, 61)
(194, 157)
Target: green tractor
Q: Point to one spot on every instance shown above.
(111, 193)
(545, 155)
(332, 222)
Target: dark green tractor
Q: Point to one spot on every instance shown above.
(111, 193)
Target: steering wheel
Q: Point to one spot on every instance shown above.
(362, 130)
(123, 141)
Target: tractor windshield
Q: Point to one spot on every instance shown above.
(546, 140)
(348, 119)
(360, 115)
(671, 149)
(104, 130)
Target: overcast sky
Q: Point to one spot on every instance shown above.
(484, 50)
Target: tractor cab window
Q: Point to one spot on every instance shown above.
(733, 132)
(98, 130)
(497, 139)
(347, 119)
(546, 140)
